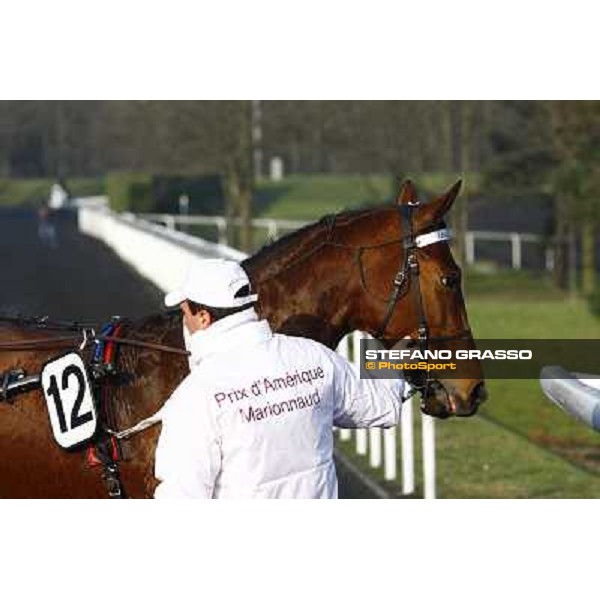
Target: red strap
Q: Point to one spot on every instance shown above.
(93, 460)
(110, 347)
(91, 455)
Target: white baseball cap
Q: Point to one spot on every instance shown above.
(213, 282)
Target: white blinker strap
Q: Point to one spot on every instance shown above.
(439, 235)
(141, 426)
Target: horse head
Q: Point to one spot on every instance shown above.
(430, 307)
(338, 275)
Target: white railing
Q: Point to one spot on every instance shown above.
(156, 253)
(516, 241)
(162, 254)
(274, 227)
(381, 445)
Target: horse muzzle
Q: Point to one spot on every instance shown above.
(441, 401)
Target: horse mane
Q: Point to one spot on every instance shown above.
(165, 319)
(286, 248)
(273, 246)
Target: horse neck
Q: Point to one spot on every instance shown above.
(151, 375)
(304, 285)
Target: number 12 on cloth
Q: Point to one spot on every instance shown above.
(69, 399)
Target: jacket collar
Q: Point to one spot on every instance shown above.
(237, 330)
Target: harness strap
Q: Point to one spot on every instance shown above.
(140, 344)
(140, 426)
(105, 451)
(10, 377)
(88, 336)
(405, 213)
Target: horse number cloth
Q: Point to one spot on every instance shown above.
(254, 417)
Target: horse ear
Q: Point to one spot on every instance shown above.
(407, 193)
(441, 205)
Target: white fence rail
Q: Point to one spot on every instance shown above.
(274, 227)
(158, 254)
(516, 241)
(381, 445)
(162, 254)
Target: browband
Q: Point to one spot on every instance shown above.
(439, 235)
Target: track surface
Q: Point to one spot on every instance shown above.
(81, 279)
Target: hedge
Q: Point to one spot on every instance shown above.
(34, 192)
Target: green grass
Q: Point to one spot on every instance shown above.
(506, 284)
(15, 192)
(520, 445)
(305, 197)
(476, 458)
(309, 197)
(530, 309)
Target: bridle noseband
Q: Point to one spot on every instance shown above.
(408, 278)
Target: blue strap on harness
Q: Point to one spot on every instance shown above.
(99, 350)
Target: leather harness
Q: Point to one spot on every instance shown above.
(105, 450)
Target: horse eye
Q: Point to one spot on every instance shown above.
(451, 281)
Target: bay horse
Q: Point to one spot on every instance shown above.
(321, 282)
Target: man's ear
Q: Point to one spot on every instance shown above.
(204, 318)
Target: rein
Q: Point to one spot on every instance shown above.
(88, 336)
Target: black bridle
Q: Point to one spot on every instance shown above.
(409, 266)
(407, 278)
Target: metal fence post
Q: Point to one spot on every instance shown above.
(549, 259)
(170, 222)
(361, 434)
(272, 230)
(375, 457)
(389, 454)
(407, 445)
(428, 430)
(222, 230)
(344, 350)
(470, 247)
(515, 240)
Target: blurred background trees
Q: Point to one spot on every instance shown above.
(501, 148)
(73, 138)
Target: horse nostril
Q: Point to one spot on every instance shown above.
(479, 393)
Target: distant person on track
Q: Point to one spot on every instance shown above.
(46, 228)
(254, 417)
(59, 196)
(57, 199)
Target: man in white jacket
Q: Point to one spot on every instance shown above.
(254, 417)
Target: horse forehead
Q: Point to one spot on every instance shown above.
(372, 226)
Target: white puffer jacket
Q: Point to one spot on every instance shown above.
(254, 417)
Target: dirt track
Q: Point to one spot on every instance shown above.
(80, 279)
